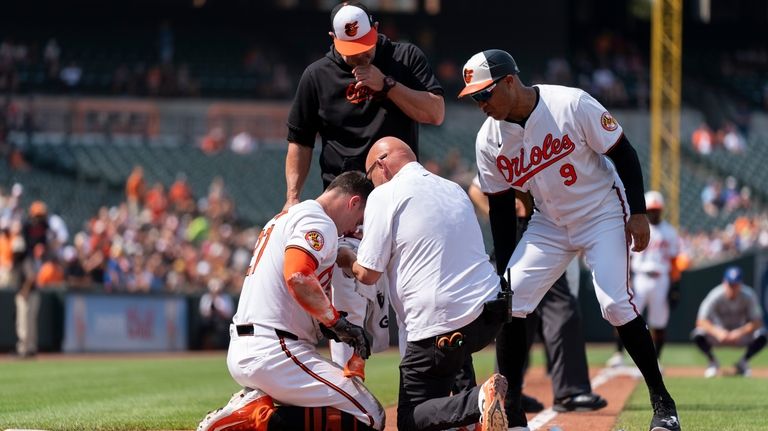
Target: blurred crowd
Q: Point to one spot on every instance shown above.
(729, 137)
(165, 240)
(157, 240)
(745, 233)
(725, 196)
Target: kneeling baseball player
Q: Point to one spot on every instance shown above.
(282, 310)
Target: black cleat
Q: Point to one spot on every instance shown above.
(580, 403)
(665, 416)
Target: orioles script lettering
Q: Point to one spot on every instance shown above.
(521, 168)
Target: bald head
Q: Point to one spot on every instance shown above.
(385, 159)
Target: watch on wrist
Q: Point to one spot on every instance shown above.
(389, 82)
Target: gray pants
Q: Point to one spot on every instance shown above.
(26, 322)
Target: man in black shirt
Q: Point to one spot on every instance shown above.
(366, 87)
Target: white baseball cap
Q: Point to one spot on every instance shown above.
(353, 28)
(484, 68)
(654, 200)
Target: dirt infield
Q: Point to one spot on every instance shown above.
(615, 385)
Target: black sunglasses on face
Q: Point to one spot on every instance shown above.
(485, 94)
(375, 162)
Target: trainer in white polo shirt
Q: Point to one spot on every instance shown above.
(422, 231)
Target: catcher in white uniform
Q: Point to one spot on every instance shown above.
(283, 308)
(565, 148)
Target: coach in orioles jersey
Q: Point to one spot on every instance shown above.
(282, 310)
(366, 87)
(563, 147)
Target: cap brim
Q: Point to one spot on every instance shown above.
(357, 46)
(475, 87)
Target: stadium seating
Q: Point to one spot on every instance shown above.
(91, 165)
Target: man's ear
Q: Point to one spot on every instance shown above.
(333, 36)
(355, 201)
(376, 25)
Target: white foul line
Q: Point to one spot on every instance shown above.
(602, 377)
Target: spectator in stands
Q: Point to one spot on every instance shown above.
(216, 311)
(366, 87)
(730, 315)
(731, 195)
(219, 204)
(214, 141)
(732, 140)
(59, 230)
(134, 190)
(50, 273)
(156, 201)
(118, 273)
(703, 139)
(36, 228)
(243, 143)
(6, 254)
(180, 194)
(71, 75)
(74, 273)
(711, 197)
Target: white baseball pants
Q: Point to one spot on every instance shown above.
(293, 373)
(545, 250)
(651, 291)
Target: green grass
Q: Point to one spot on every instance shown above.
(140, 393)
(719, 404)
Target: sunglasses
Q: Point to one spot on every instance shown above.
(375, 162)
(484, 95)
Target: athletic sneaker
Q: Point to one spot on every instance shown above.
(491, 403)
(247, 410)
(712, 370)
(616, 360)
(580, 403)
(665, 416)
(742, 368)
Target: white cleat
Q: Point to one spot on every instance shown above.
(712, 370)
(616, 360)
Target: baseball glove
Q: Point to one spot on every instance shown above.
(346, 332)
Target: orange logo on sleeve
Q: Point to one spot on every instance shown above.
(350, 29)
(608, 122)
(315, 240)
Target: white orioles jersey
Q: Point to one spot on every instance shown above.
(663, 246)
(265, 299)
(558, 156)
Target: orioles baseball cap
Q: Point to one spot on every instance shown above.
(353, 28)
(654, 200)
(732, 275)
(484, 68)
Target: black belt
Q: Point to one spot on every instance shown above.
(245, 330)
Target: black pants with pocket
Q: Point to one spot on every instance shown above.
(428, 373)
(558, 322)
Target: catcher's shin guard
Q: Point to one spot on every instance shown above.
(246, 411)
(314, 419)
